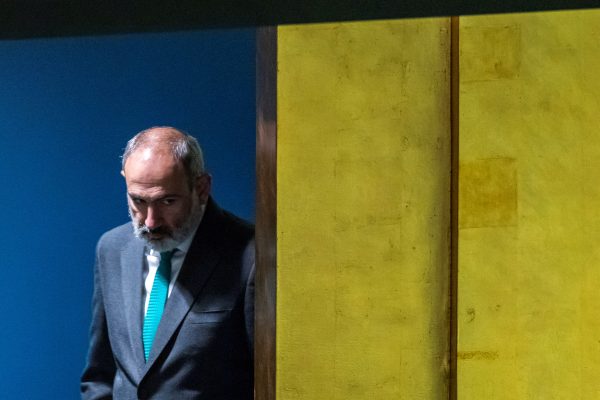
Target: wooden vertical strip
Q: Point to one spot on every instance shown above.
(266, 213)
(454, 143)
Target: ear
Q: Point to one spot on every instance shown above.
(203, 185)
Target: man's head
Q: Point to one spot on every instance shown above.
(167, 187)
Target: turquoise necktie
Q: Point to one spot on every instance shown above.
(158, 298)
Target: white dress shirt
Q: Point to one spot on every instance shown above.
(152, 258)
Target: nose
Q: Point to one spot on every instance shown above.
(153, 219)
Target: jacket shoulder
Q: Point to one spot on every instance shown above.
(239, 225)
(116, 238)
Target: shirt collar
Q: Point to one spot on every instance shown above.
(185, 245)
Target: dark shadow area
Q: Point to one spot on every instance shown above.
(35, 18)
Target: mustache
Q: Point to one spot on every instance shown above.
(160, 230)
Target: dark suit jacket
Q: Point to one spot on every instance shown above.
(203, 348)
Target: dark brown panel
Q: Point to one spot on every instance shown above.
(454, 142)
(266, 212)
(36, 18)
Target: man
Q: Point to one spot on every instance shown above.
(173, 303)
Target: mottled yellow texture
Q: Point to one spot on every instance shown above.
(363, 210)
(529, 289)
(488, 190)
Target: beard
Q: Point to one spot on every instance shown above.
(171, 238)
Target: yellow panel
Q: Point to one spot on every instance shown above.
(363, 210)
(529, 213)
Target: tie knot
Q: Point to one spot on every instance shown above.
(164, 267)
(166, 256)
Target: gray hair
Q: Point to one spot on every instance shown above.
(184, 148)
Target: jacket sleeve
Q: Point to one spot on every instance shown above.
(249, 309)
(99, 372)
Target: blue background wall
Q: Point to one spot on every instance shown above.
(67, 107)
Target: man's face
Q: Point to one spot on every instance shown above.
(163, 208)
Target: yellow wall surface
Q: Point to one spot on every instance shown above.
(529, 213)
(363, 184)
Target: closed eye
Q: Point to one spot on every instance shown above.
(137, 200)
(162, 201)
(167, 201)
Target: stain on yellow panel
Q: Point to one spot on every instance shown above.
(477, 355)
(501, 60)
(488, 193)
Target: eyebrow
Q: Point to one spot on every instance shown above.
(150, 199)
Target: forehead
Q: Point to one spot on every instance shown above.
(154, 169)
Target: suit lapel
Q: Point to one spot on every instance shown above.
(200, 261)
(132, 261)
